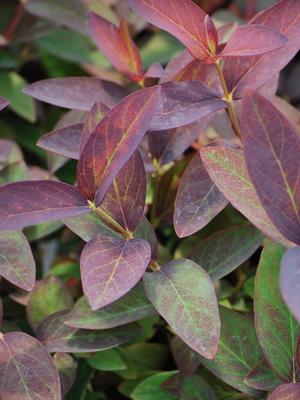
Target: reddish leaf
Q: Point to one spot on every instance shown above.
(94, 117)
(125, 200)
(56, 336)
(17, 264)
(26, 369)
(31, 202)
(77, 93)
(262, 377)
(117, 46)
(3, 103)
(227, 168)
(252, 40)
(110, 267)
(272, 148)
(198, 199)
(290, 280)
(182, 18)
(289, 391)
(113, 141)
(182, 103)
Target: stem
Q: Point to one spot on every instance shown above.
(14, 21)
(111, 221)
(154, 266)
(228, 98)
(155, 182)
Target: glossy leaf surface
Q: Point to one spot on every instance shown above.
(17, 264)
(290, 280)
(276, 329)
(110, 267)
(26, 369)
(58, 337)
(31, 202)
(184, 296)
(113, 141)
(198, 199)
(131, 307)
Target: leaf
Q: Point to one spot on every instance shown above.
(289, 280)
(261, 377)
(131, 307)
(146, 231)
(125, 126)
(225, 250)
(66, 368)
(184, 296)
(182, 103)
(26, 369)
(77, 93)
(189, 388)
(275, 327)
(31, 202)
(58, 337)
(110, 267)
(187, 360)
(198, 199)
(49, 296)
(84, 375)
(242, 42)
(181, 18)
(227, 168)
(17, 264)
(150, 388)
(273, 169)
(290, 391)
(117, 45)
(3, 103)
(11, 87)
(238, 350)
(108, 360)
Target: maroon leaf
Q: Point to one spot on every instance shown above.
(272, 148)
(182, 18)
(186, 359)
(182, 103)
(3, 103)
(56, 336)
(290, 280)
(17, 264)
(198, 199)
(241, 42)
(78, 93)
(125, 200)
(94, 117)
(31, 202)
(289, 391)
(113, 141)
(26, 369)
(117, 46)
(262, 377)
(110, 267)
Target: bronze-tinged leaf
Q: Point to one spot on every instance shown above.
(113, 142)
(272, 148)
(110, 267)
(198, 199)
(17, 264)
(32, 202)
(227, 168)
(26, 369)
(56, 336)
(290, 281)
(76, 93)
(289, 391)
(125, 200)
(183, 294)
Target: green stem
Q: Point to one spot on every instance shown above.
(228, 98)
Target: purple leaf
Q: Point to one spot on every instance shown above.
(17, 264)
(26, 369)
(182, 103)
(77, 93)
(94, 117)
(175, 290)
(113, 141)
(288, 391)
(186, 359)
(56, 336)
(31, 202)
(198, 199)
(66, 368)
(272, 148)
(262, 377)
(110, 267)
(3, 103)
(290, 280)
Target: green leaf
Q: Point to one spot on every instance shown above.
(276, 329)
(108, 360)
(11, 85)
(150, 388)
